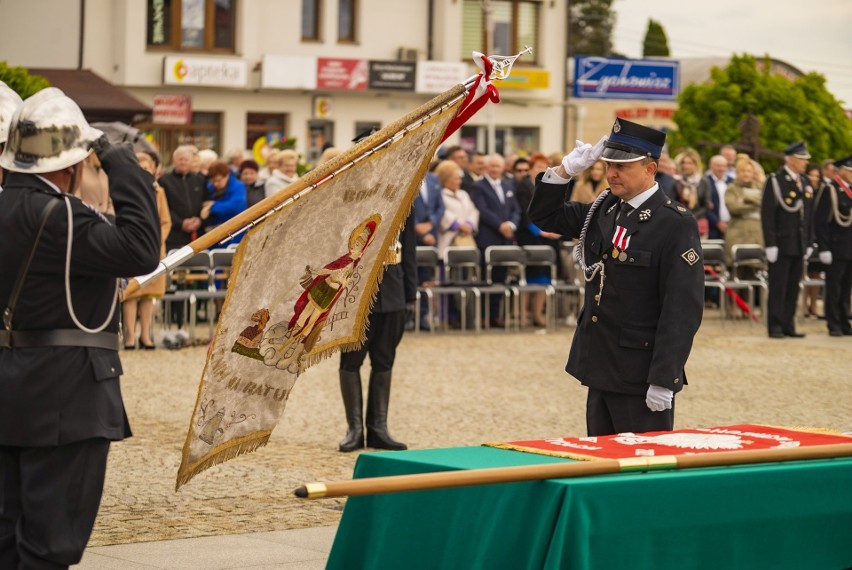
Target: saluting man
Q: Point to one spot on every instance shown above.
(833, 229)
(785, 214)
(60, 399)
(641, 256)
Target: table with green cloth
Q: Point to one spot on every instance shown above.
(795, 515)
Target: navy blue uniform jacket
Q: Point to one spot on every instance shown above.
(641, 332)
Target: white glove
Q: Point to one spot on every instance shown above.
(809, 252)
(658, 398)
(582, 157)
(772, 254)
(825, 257)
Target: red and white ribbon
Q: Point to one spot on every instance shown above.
(482, 91)
(620, 239)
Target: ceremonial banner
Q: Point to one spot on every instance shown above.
(304, 280)
(677, 442)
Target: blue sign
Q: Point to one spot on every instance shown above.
(598, 77)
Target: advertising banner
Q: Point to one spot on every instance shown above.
(336, 73)
(618, 78)
(396, 75)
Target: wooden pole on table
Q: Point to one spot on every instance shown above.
(447, 479)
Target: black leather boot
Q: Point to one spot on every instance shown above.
(353, 403)
(377, 413)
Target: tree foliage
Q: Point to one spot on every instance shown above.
(20, 81)
(788, 111)
(656, 44)
(590, 27)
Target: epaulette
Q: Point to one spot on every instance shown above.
(678, 207)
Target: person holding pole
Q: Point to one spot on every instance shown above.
(61, 404)
(641, 255)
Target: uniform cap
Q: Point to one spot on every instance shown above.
(844, 163)
(629, 142)
(47, 133)
(797, 149)
(9, 101)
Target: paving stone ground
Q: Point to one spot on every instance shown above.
(450, 389)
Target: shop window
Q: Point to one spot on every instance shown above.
(311, 19)
(263, 132)
(508, 140)
(514, 25)
(192, 25)
(346, 20)
(205, 131)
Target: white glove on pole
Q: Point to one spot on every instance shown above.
(772, 254)
(658, 398)
(582, 157)
(809, 252)
(825, 257)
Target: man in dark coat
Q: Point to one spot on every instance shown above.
(428, 212)
(499, 217)
(59, 366)
(644, 300)
(398, 289)
(833, 230)
(785, 214)
(186, 193)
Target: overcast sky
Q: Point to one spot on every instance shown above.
(812, 35)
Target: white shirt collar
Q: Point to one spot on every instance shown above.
(791, 173)
(49, 183)
(640, 199)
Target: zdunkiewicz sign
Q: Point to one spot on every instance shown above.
(618, 78)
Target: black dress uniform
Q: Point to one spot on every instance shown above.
(384, 333)
(185, 194)
(786, 219)
(833, 230)
(60, 399)
(638, 329)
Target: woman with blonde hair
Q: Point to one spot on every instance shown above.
(743, 198)
(689, 171)
(590, 183)
(461, 218)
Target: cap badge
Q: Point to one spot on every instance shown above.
(616, 127)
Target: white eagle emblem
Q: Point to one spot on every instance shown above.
(684, 440)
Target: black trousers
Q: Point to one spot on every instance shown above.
(384, 331)
(838, 289)
(608, 413)
(784, 277)
(49, 498)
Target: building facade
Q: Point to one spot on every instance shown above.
(251, 74)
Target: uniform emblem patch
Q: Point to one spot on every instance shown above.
(644, 215)
(690, 256)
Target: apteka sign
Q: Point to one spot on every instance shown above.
(618, 78)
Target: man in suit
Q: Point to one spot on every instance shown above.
(459, 155)
(59, 366)
(428, 212)
(641, 255)
(785, 214)
(384, 333)
(499, 216)
(186, 193)
(713, 185)
(833, 230)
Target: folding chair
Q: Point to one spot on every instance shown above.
(748, 266)
(513, 258)
(716, 275)
(545, 256)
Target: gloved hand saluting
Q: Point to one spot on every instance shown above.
(113, 155)
(658, 398)
(582, 157)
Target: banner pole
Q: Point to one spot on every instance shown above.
(449, 479)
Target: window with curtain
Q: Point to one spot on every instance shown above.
(346, 20)
(311, 20)
(192, 25)
(514, 25)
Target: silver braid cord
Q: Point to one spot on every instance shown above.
(780, 200)
(589, 272)
(839, 219)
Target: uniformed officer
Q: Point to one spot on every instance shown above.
(9, 101)
(833, 229)
(397, 290)
(59, 367)
(641, 256)
(785, 214)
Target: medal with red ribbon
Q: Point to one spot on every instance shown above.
(620, 240)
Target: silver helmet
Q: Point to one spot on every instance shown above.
(9, 101)
(47, 133)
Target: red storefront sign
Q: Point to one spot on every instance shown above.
(172, 110)
(348, 74)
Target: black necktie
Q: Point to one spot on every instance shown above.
(622, 213)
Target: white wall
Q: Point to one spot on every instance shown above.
(40, 33)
